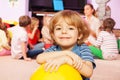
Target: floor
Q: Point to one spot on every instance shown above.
(11, 69)
(106, 70)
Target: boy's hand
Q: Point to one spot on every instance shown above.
(73, 56)
(54, 64)
(76, 60)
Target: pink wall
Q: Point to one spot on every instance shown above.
(115, 7)
(115, 11)
(8, 12)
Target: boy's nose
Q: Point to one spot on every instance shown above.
(64, 31)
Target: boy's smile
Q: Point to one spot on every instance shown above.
(65, 35)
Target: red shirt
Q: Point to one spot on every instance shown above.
(35, 38)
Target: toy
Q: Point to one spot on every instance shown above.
(65, 72)
(96, 52)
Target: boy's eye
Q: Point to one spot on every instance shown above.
(71, 28)
(58, 29)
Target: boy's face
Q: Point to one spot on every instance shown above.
(65, 35)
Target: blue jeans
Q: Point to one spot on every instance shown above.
(34, 52)
(39, 46)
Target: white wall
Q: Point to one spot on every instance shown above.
(9, 12)
(115, 7)
(115, 11)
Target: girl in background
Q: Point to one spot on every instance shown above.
(4, 40)
(34, 35)
(106, 43)
(45, 32)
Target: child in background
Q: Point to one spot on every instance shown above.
(4, 40)
(19, 40)
(106, 42)
(4, 46)
(68, 31)
(45, 32)
(34, 35)
(5, 29)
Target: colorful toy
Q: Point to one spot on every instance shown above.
(10, 33)
(65, 72)
(96, 52)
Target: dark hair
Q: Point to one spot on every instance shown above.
(24, 21)
(91, 6)
(108, 23)
(2, 25)
(0, 20)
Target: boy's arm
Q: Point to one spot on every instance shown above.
(55, 63)
(84, 67)
(42, 58)
(24, 51)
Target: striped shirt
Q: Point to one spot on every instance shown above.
(107, 42)
(83, 51)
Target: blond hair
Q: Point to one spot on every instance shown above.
(71, 18)
(34, 21)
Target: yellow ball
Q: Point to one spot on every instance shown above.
(65, 72)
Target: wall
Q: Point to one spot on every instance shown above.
(115, 12)
(9, 12)
(115, 5)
